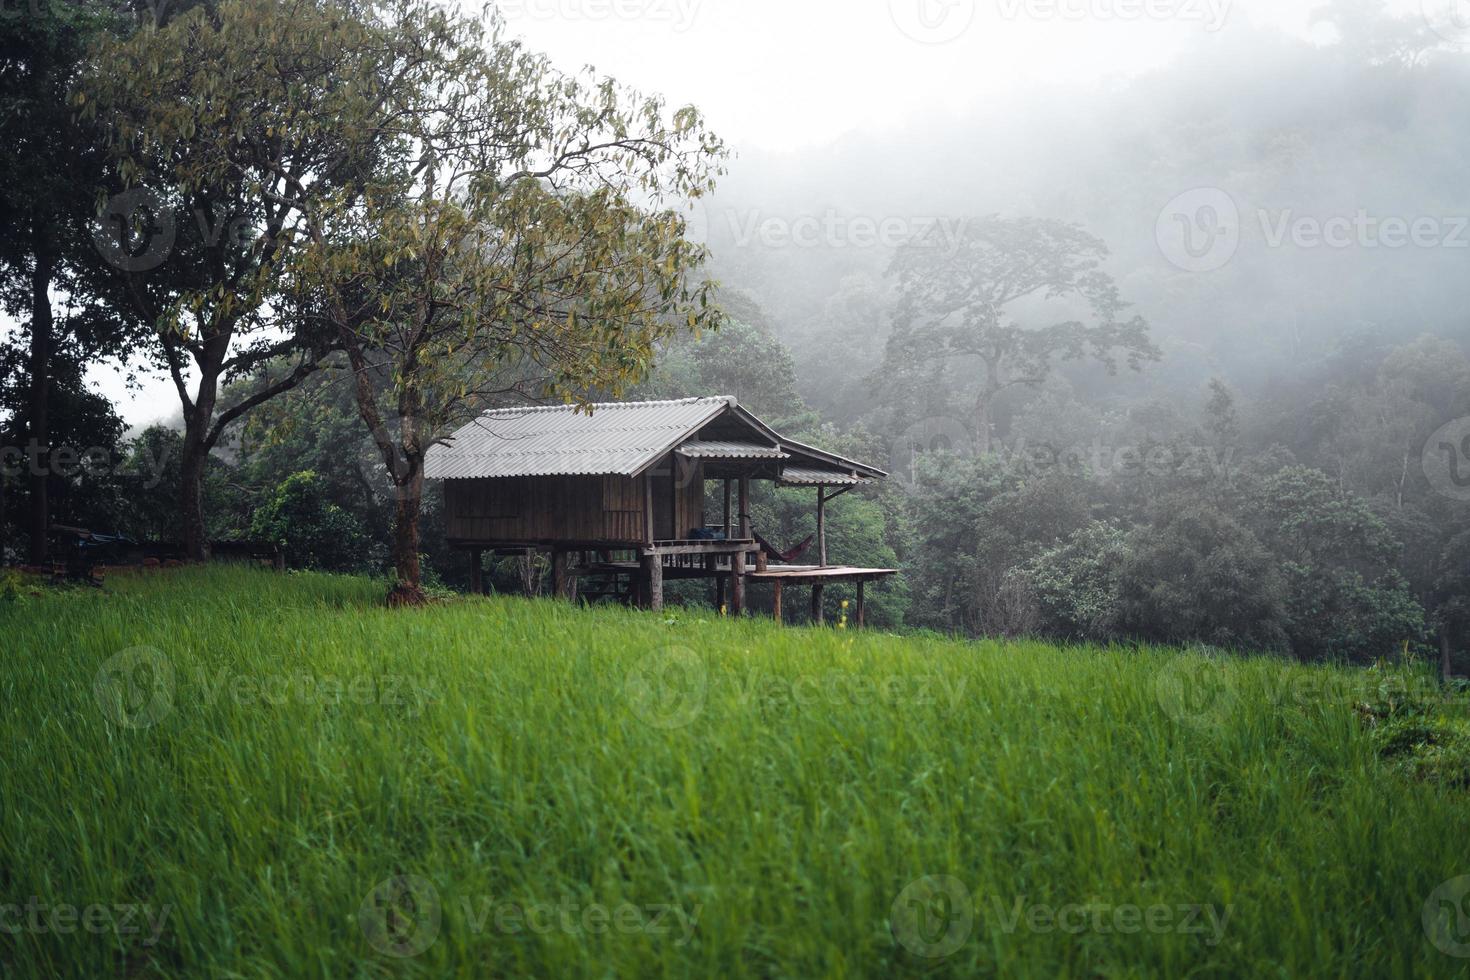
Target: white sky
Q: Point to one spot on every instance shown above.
(783, 75)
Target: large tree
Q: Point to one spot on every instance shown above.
(998, 303)
(520, 237)
(224, 120)
(52, 162)
(416, 191)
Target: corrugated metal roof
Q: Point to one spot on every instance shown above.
(617, 438)
(801, 476)
(730, 450)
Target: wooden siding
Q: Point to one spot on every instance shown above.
(582, 509)
(678, 498)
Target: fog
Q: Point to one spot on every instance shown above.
(1272, 179)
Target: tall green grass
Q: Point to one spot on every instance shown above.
(749, 801)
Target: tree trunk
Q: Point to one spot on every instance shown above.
(38, 451)
(191, 500)
(409, 589)
(1446, 666)
(195, 452)
(983, 422)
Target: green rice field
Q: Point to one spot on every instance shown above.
(227, 772)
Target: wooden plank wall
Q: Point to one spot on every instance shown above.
(545, 508)
(573, 508)
(678, 498)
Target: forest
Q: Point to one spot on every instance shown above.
(1186, 363)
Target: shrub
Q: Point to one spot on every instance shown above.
(314, 532)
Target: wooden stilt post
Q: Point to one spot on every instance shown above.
(737, 584)
(729, 531)
(744, 508)
(776, 596)
(860, 604)
(653, 574)
(822, 525)
(719, 591)
(817, 603)
(477, 575)
(648, 508)
(559, 580)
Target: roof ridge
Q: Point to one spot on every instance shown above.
(661, 403)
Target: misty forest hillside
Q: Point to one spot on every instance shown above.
(1369, 122)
